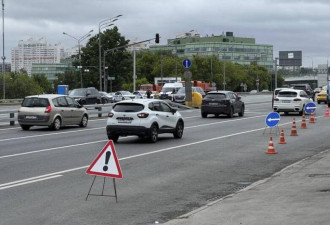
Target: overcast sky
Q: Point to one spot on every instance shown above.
(286, 24)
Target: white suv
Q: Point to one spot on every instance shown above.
(145, 118)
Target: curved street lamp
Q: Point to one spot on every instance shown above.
(79, 40)
(102, 24)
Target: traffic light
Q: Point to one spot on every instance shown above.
(157, 38)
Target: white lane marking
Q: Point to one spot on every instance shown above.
(41, 135)
(51, 149)
(87, 143)
(135, 156)
(5, 186)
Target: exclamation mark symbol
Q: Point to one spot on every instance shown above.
(107, 157)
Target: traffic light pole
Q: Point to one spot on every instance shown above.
(125, 46)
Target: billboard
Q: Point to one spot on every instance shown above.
(290, 58)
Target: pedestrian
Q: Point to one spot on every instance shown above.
(148, 93)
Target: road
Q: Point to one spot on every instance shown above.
(43, 178)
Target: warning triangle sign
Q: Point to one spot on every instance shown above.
(106, 164)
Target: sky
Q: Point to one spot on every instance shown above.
(288, 25)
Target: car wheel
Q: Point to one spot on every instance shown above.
(98, 101)
(204, 115)
(241, 113)
(178, 130)
(84, 121)
(153, 136)
(56, 124)
(113, 137)
(318, 102)
(231, 112)
(25, 127)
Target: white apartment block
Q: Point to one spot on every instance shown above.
(34, 51)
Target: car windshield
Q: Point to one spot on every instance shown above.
(287, 94)
(77, 92)
(217, 96)
(128, 107)
(167, 89)
(181, 90)
(35, 102)
(123, 93)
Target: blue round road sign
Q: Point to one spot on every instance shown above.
(310, 107)
(273, 119)
(186, 63)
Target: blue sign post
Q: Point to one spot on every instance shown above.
(272, 120)
(310, 108)
(186, 63)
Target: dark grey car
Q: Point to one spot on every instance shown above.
(222, 102)
(51, 110)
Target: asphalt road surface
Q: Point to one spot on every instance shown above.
(43, 179)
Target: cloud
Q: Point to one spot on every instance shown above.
(287, 25)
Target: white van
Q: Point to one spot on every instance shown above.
(169, 89)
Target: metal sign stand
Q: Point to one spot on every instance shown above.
(277, 130)
(102, 194)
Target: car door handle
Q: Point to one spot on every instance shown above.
(157, 114)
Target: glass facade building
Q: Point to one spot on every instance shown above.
(227, 47)
(50, 70)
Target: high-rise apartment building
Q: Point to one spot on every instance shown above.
(34, 51)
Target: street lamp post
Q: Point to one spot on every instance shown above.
(275, 73)
(3, 51)
(79, 40)
(103, 24)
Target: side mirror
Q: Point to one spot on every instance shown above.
(174, 110)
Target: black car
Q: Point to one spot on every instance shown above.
(305, 87)
(222, 102)
(86, 96)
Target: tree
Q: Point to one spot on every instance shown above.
(118, 61)
(43, 82)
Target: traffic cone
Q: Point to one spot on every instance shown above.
(282, 139)
(271, 149)
(303, 122)
(326, 111)
(312, 119)
(294, 128)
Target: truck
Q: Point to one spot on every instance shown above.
(206, 86)
(151, 87)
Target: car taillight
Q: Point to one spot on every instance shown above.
(48, 109)
(276, 99)
(143, 115)
(110, 114)
(297, 100)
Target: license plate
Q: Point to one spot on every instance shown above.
(286, 101)
(124, 119)
(31, 117)
(213, 103)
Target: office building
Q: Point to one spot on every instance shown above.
(241, 50)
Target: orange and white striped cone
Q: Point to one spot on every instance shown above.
(294, 128)
(312, 119)
(282, 139)
(326, 111)
(271, 149)
(303, 122)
